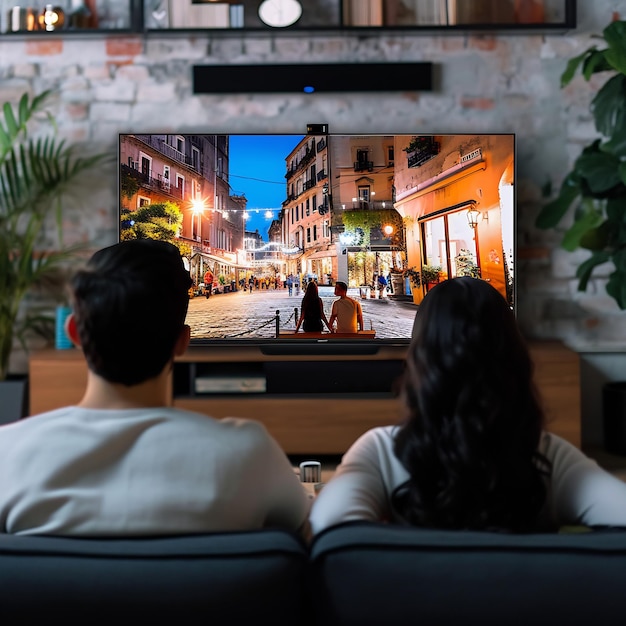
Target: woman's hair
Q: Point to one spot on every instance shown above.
(472, 415)
(311, 297)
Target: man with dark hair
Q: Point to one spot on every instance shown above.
(121, 462)
(347, 311)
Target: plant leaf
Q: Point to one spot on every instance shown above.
(609, 106)
(599, 171)
(595, 62)
(552, 213)
(572, 66)
(588, 222)
(615, 36)
(583, 273)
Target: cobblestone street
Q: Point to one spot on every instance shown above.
(244, 314)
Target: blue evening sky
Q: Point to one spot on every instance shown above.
(257, 170)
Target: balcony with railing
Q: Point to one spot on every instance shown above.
(146, 181)
(309, 155)
(368, 205)
(321, 175)
(420, 150)
(157, 143)
(364, 166)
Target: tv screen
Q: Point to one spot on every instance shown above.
(257, 217)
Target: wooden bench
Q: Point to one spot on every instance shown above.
(361, 334)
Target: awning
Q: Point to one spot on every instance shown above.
(212, 257)
(321, 254)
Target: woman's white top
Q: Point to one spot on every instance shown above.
(579, 491)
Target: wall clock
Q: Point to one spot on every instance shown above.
(280, 13)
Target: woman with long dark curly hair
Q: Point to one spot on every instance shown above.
(312, 313)
(472, 452)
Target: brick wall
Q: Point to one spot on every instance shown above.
(500, 84)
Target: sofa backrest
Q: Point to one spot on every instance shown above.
(221, 578)
(383, 574)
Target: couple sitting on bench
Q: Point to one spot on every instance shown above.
(346, 312)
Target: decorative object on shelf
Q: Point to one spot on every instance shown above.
(61, 338)
(22, 19)
(51, 18)
(94, 19)
(280, 13)
(80, 15)
(529, 11)
(36, 173)
(596, 186)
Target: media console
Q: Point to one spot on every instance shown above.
(312, 404)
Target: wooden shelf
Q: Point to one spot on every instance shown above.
(325, 20)
(306, 423)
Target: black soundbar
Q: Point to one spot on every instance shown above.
(316, 78)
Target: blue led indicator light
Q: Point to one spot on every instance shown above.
(309, 89)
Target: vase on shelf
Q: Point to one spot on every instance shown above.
(529, 11)
(79, 15)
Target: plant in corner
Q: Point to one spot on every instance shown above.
(36, 173)
(596, 185)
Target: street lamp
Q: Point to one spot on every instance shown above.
(472, 216)
(197, 208)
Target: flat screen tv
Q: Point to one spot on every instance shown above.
(252, 213)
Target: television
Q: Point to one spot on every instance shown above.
(249, 211)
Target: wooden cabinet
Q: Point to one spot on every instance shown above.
(321, 419)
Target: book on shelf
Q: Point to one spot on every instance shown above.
(185, 14)
(236, 15)
(415, 12)
(363, 12)
(480, 12)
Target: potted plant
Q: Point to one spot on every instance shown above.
(466, 265)
(35, 174)
(596, 185)
(415, 280)
(430, 275)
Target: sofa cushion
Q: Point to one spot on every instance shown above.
(214, 578)
(386, 574)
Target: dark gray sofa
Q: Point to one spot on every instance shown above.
(355, 573)
(222, 578)
(382, 574)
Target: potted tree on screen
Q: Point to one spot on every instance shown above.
(36, 172)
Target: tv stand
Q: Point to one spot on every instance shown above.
(312, 404)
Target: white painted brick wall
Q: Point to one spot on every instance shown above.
(502, 84)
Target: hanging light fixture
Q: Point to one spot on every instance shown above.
(472, 216)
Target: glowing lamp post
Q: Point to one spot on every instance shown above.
(197, 208)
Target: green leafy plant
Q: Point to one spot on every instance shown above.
(431, 273)
(466, 264)
(596, 185)
(418, 143)
(35, 175)
(414, 276)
